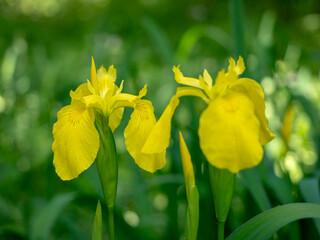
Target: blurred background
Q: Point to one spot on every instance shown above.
(45, 51)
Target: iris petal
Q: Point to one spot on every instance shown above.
(192, 82)
(93, 75)
(190, 91)
(138, 129)
(159, 137)
(255, 93)
(76, 140)
(115, 118)
(229, 133)
(95, 101)
(80, 92)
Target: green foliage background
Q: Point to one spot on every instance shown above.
(45, 51)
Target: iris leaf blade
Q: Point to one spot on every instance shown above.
(265, 224)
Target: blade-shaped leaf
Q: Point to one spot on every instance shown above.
(265, 224)
(44, 221)
(253, 182)
(310, 191)
(160, 40)
(97, 224)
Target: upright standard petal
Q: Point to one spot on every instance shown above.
(229, 133)
(93, 76)
(255, 93)
(159, 138)
(136, 133)
(76, 140)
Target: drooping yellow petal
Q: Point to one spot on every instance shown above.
(255, 93)
(186, 162)
(192, 82)
(115, 118)
(229, 133)
(76, 140)
(159, 138)
(137, 131)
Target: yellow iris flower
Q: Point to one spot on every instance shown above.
(233, 127)
(76, 139)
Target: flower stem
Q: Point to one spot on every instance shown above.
(107, 165)
(222, 184)
(111, 223)
(220, 230)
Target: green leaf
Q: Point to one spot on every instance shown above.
(159, 40)
(192, 216)
(265, 224)
(43, 222)
(97, 224)
(222, 185)
(194, 34)
(253, 182)
(237, 22)
(280, 187)
(310, 191)
(107, 162)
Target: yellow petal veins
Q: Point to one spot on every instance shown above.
(76, 140)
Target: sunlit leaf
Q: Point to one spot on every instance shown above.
(310, 192)
(265, 224)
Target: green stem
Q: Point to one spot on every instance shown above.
(111, 223)
(237, 24)
(107, 167)
(220, 230)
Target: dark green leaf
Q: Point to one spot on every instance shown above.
(97, 224)
(253, 182)
(42, 223)
(310, 191)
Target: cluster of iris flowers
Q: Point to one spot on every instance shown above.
(232, 129)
